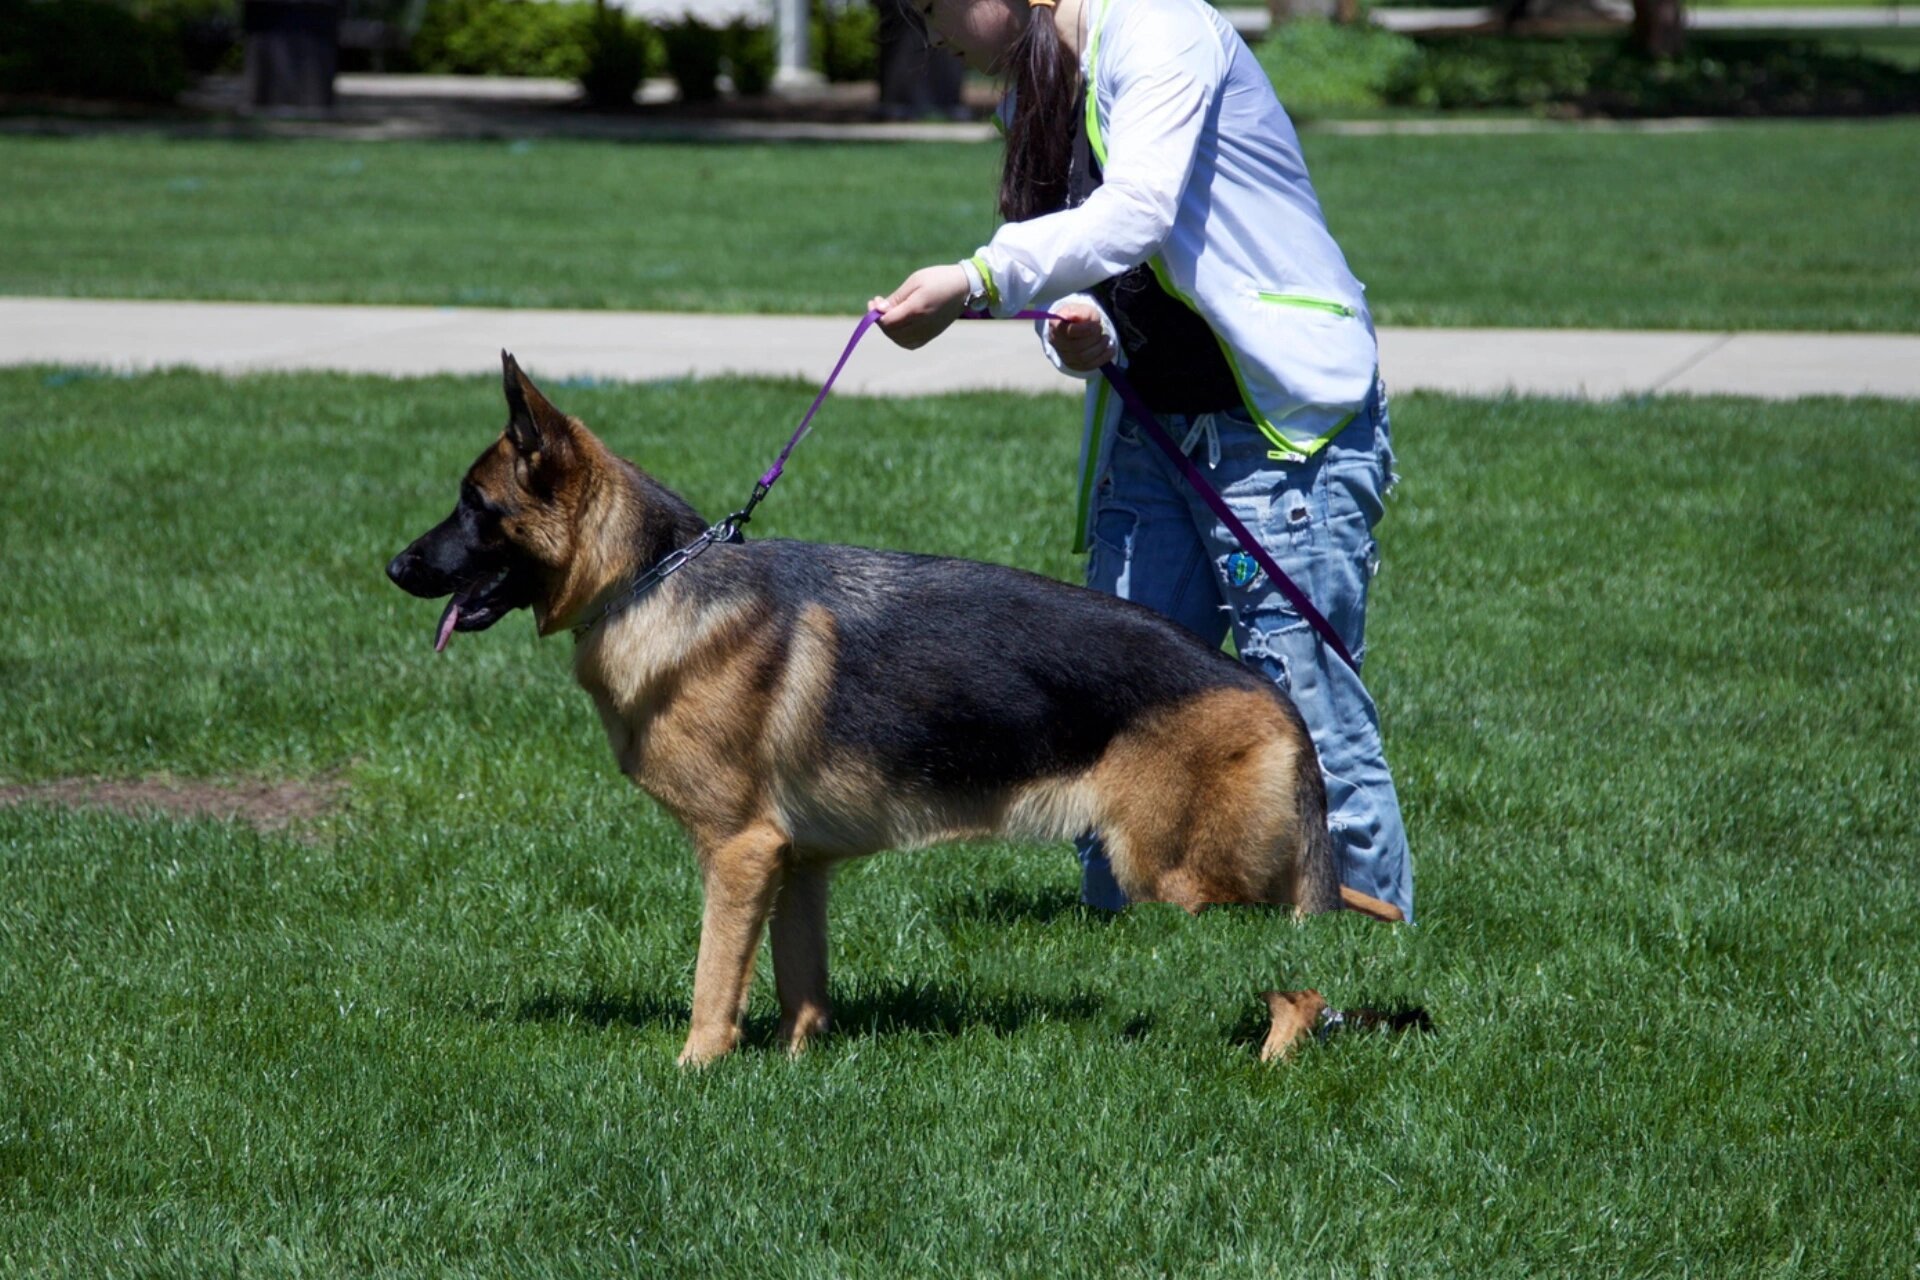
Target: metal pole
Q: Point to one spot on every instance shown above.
(792, 68)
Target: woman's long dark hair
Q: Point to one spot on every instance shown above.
(1045, 79)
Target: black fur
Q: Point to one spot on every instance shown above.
(979, 676)
(469, 557)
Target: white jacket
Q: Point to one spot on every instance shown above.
(1202, 177)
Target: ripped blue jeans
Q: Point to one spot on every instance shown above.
(1156, 543)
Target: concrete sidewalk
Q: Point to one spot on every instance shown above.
(400, 341)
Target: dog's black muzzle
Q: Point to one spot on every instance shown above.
(486, 583)
(410, 572)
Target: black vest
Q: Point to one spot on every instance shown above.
(1173, 358)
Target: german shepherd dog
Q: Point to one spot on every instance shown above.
(795, 705)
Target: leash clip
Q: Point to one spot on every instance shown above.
(728, 529)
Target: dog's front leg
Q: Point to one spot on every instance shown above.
(741, 873)
(800, 955)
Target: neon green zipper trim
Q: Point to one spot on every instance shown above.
(1311, 304)
(1094, 140)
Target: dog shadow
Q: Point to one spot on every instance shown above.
(1390, 1018)
(1005, 906)
(873, 1010)
(597, 1009)
(897, 1008)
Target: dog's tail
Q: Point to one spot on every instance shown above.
(1317, 884)
(1316, 876)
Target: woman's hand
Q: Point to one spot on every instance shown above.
(923, 306)
(1079, 338)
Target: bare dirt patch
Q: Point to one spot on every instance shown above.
(263, 805)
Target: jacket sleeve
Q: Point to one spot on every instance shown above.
(1163, 71)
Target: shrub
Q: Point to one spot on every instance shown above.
(1495, 72)
(846, 39)
(694, 53)
(1738, 76)
(750, 55)
(505, 38)
(207, 31)
(616, 59)
(1318, 66)
(89, 49)
(1715, 76)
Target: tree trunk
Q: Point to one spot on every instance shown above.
(1659, 28)
(293, 50)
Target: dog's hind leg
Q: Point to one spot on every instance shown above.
(800, 955)
(741, 873)
(1199, 803)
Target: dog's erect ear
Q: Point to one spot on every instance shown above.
(533, 423)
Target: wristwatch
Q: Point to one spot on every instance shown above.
(977, 297)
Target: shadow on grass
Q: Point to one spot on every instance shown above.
(878, 1009)
(937, 1008)
(595, 1008)
(1389, 1018)
(1018, 906)
(1042, 906)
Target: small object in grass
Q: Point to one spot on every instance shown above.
(1295, 1015)
(1333, 1020)
(1299, 1014)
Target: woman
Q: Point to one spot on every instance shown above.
(1157, 201)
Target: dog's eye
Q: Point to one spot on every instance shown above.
(476, 501)
(483, 518)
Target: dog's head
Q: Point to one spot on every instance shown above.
(510, 542)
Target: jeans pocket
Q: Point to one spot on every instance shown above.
(1357, 486)
(1383, 440)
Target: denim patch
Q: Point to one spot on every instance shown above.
(1266, 653)
(1110, 553)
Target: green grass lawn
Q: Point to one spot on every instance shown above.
(1648, 672)
(1778, 226)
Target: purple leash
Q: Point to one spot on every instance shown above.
(728, 530)
(1211, 496)
(806, 423)
(1123, 387)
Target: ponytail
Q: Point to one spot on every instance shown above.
(1046, 98)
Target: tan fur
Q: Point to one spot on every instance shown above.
(1294, 1014)
(1196, 811)
(800, 955)
(720, 718)
(1368, 905)
(1188, 801)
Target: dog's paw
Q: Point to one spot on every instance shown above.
(1294, 1015)
(799, 1032)
(702, 1050)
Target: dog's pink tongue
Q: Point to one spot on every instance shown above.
(447, 619)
